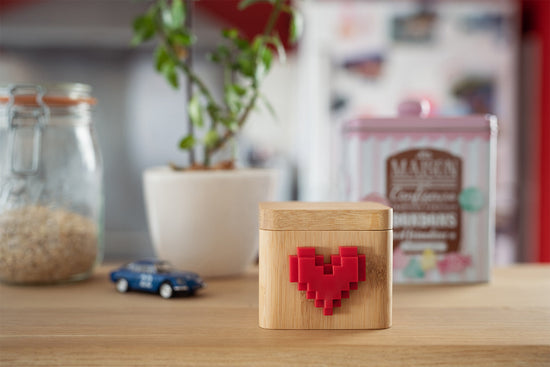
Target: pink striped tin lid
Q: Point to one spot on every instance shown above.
(473, 123)
(412, 123)
(433, 128)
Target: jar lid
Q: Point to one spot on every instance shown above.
(54, 95)
(326, 216)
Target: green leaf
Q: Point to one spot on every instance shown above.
(142, 22)
(194, 110)
(222, 53)
(238, 89)
(230, 123)
(246, 3)
(166, 15)
(276, 41)
(241, 43)
(269, 106)
(245, 64)
(161, 57)
(172, 17)
(227, 120)
(214, 57)
(258, 42)
(168, 69)
(213, 111)
(231, 33)
(211, 138)
(267, 57)
(187, 142)
(260, 71)
(178, 14)
(231, 97)
(296, 25)
(144, 28)
(137, 39)
(182, 39)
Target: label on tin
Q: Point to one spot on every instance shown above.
(423, 187)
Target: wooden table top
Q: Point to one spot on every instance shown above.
(503, 323)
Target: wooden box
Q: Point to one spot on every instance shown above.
(325, 265)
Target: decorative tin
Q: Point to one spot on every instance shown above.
(438, 176)
(325, 265)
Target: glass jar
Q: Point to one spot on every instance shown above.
(51, 192)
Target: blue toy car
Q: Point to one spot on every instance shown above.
(155, 276)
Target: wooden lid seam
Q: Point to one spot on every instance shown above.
(300, 216)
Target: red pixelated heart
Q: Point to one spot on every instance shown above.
(327, 283)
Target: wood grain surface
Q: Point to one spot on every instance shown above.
(325, 216)
(283, 306)
(505, 323)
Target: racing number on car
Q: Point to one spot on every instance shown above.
(146, 281)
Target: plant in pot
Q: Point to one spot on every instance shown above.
(203, 217)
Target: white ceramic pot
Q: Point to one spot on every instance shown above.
(206, 221)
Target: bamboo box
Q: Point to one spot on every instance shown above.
(325, 265)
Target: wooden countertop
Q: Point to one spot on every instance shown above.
(503, 323)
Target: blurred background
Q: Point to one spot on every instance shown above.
(355, 58)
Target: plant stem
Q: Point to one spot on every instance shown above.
(189, 85)
(192, 78)
(195, 80)
(230, 133)
(272, 20)
(188, 71)
(273, 17)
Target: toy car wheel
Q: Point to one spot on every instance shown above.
(122, 285)
(166, 290)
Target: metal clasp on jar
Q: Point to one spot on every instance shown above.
(26, 122)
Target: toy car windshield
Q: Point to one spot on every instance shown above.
(164, 267)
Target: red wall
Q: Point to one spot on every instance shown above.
(250, 21)
(537, 13)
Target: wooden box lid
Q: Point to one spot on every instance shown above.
(306, 216)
